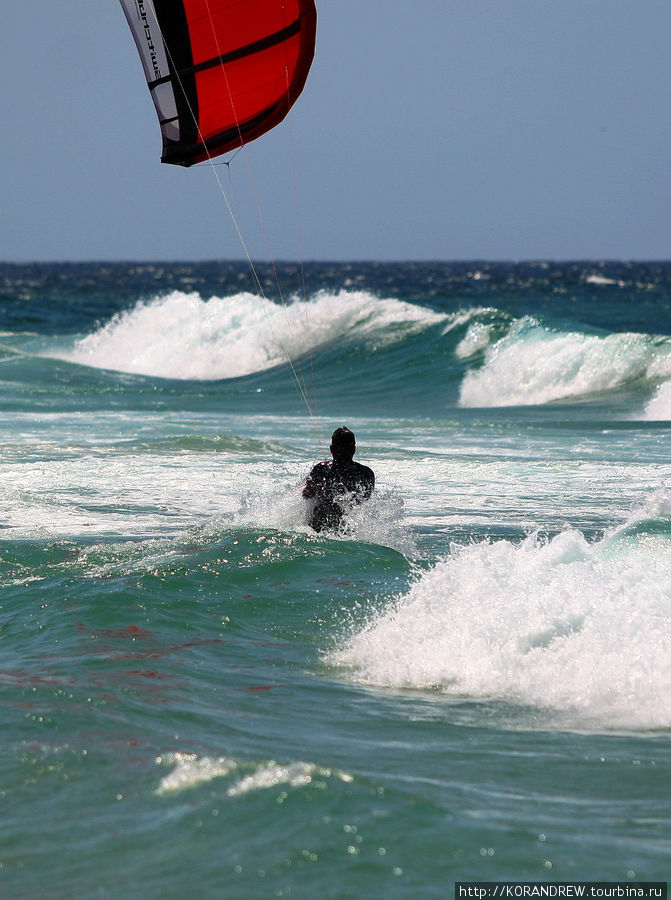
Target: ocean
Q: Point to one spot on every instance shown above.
(203, 697)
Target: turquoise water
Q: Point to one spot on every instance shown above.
(203, 697)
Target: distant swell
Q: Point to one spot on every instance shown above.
(476, 357)
(182, 336)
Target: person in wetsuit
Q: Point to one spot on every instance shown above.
(337, 485)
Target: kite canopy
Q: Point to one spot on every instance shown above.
(221, 72)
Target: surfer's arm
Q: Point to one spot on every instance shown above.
(366, 483)
(370, 486)
(311, 486)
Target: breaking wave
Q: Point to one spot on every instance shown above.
(533, 364)
(562, 624)
(474, 357)
(182, 336)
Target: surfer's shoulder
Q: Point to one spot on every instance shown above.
(320, 469)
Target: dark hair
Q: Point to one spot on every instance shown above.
(343, 442)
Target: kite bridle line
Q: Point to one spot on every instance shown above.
(300, 382)
(299, 232)
(302, 385)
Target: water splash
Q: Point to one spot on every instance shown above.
(560, 624)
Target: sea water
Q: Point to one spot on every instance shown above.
(202, 697)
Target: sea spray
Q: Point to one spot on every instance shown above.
(534, 365)
(658, 408)
(183, 336)
(560, 624)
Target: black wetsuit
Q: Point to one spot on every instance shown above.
(335, 486)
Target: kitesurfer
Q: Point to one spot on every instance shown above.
(337, 485)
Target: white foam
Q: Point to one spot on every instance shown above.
(658, 409)
(121, 494)
(655, 509)
(576, 627)
(532, 365)
(272, 774)
(477, 337)
(183, 336)
(191, 770)
(602, 279)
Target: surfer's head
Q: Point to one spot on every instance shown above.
(343, 444)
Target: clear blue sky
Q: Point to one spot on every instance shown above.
(430, 129)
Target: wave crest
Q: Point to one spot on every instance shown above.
(562, 624)
(182, 336)
(533, 365)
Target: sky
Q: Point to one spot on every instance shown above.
(427, 130)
